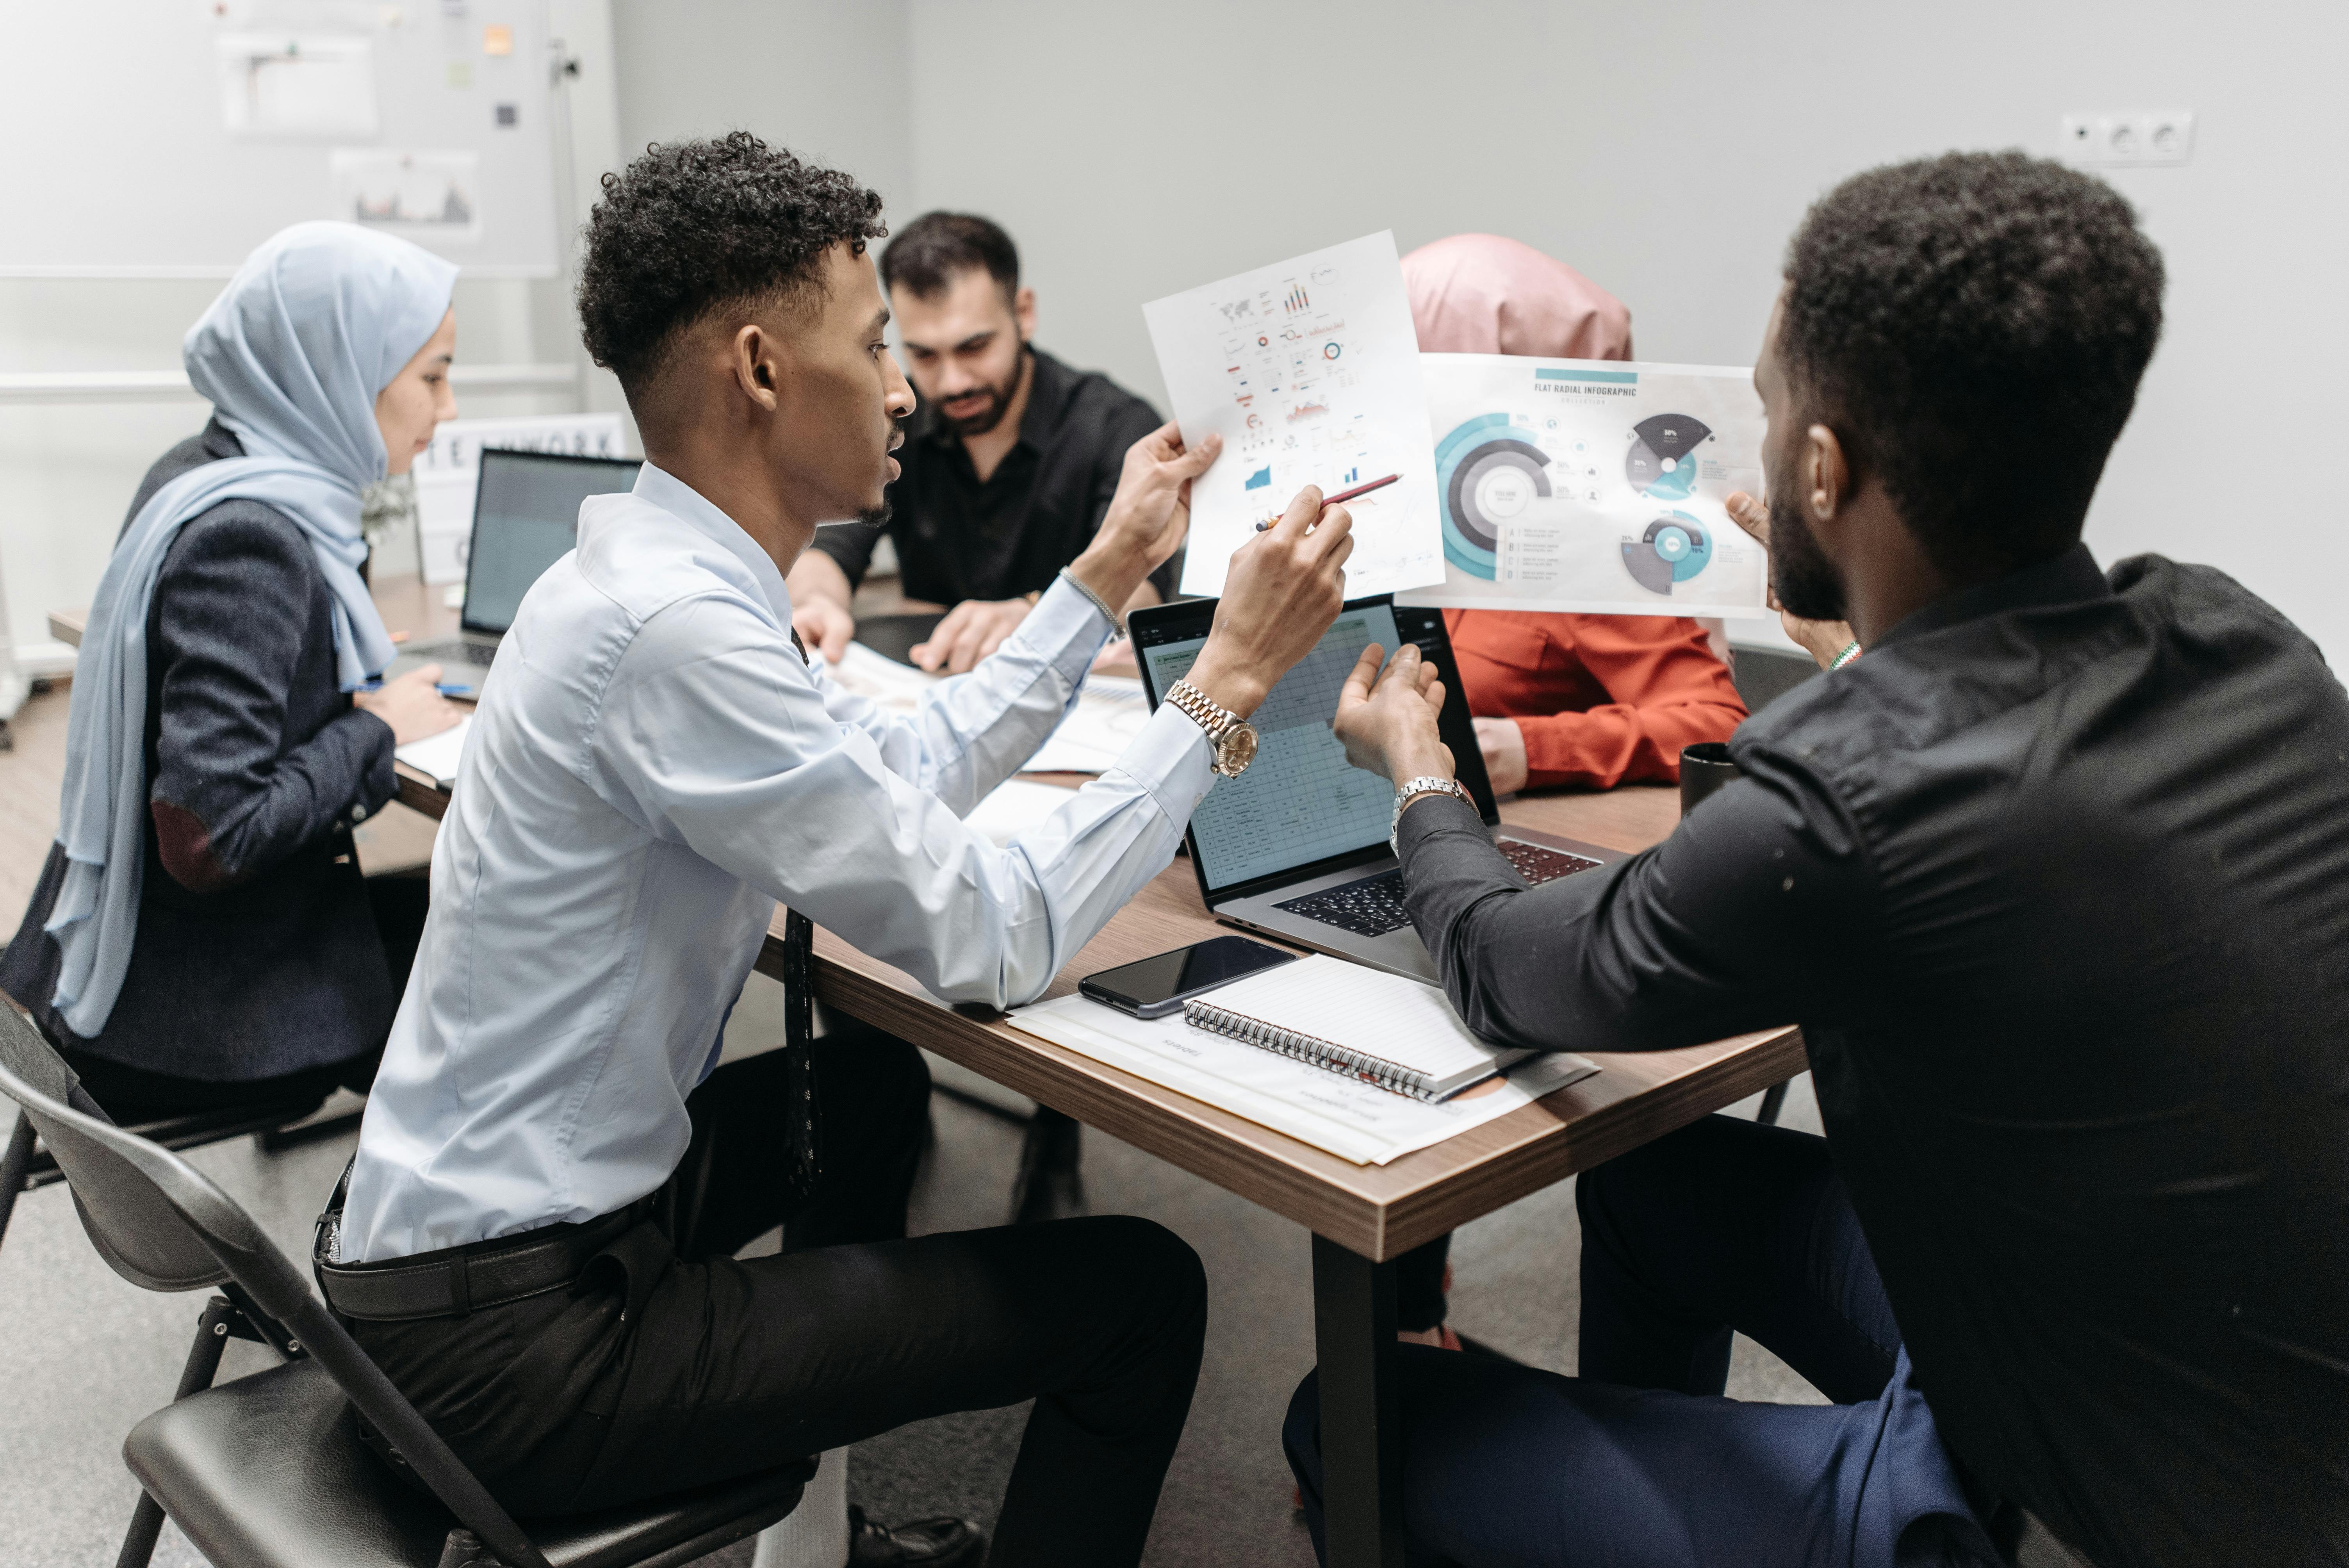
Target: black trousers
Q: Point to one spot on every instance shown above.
(132, 1094)
(670, 1363)
(1723, 1225)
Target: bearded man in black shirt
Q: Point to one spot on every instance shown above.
(2056, 879)
(1009, 459)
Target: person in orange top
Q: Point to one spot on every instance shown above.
(1591, 701)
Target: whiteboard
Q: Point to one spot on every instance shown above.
(124, 163)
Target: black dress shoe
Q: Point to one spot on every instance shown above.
(927, 1543)
(1048, 1186)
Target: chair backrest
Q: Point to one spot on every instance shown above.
(163, 1225)
(133, 1226)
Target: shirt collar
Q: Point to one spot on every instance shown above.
(689, 506)
(2065, 579)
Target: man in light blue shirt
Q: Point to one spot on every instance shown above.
(537, 1235)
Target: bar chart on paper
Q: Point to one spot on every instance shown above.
(1310, 370)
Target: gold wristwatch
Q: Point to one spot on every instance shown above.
(1233, 738)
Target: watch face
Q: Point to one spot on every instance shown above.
(1238, 750)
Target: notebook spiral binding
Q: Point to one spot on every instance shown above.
(1310, 1049)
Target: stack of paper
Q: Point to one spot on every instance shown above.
(1349, 1119)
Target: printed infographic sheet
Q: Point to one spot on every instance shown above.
(1310, 370)
(1594, 485)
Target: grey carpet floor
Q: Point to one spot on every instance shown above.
(83, 1356)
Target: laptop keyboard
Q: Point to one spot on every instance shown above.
(1372, 906)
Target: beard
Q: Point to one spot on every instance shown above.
(1806, 582)
(998, 402)
(874, 516)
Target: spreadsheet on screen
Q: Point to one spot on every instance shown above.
(1300, 801)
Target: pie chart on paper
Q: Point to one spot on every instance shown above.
(1673, 549)
(1485, 475)
(1662, 464)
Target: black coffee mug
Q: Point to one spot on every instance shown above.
(1705, 768)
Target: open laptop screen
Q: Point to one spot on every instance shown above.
(525, 517)
(1299, 802)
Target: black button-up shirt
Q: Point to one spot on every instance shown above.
(2056, 882)
(958, 539)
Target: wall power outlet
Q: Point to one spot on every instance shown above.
(2108, 141)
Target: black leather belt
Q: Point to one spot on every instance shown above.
(454, 1281)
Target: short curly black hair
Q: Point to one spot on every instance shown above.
(1973, 327)
(696, 226)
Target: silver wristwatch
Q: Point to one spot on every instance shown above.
(1233, 738)
(1412, 788)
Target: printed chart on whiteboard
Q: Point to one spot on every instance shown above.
(1300, 798)
(1309, 371)
(1594, 485)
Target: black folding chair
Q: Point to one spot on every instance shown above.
(275, 1124)
(269, 1471)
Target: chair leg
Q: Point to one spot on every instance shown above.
(14, 1166)
(204, 1365)
(1773, 1102)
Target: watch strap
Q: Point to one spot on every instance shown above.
(1412, 789)
(1201, 709)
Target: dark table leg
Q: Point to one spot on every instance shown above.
(1362, 1436)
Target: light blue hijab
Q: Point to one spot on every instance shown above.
(316, 321)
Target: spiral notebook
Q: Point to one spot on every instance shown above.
(1362, 1023)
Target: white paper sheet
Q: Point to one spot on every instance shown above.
(1594, 485)
(439, 755)
(1308, 369)
(1347, 1118)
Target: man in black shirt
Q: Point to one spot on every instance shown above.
(1009, 461)
(2056, 879)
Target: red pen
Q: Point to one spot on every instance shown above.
(1347, 495)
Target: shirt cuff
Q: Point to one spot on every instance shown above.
(1169, 758)
(1066, 630)
(1431, 815)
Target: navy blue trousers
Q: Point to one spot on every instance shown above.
(1723, 1226)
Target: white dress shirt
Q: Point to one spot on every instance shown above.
(652, 768)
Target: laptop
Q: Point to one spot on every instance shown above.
(1295, 847)
(525, 518)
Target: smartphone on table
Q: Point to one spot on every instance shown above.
(1155, 987)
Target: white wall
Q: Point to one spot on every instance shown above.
(1667, 151)
(824, 78)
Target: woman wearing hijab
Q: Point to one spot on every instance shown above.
(1591, 701)
(202, 935)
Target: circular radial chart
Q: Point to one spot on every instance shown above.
(1484, 476)
(1661, 465)
(1674, 549)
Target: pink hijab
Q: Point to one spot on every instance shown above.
(1480, 293)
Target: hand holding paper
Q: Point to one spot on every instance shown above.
(1309, 370)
